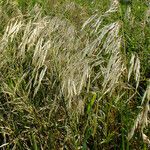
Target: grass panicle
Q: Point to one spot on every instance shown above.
(74, 75)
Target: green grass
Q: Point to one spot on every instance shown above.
(74, 75)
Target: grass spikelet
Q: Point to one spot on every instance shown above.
(142, 119)
(134, 67)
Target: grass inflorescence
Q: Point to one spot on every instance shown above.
(74, 74)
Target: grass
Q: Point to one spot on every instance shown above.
(74, 75)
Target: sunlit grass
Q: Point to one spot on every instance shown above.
(74, 75)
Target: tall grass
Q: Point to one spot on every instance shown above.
(74, 77)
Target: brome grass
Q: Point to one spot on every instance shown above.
(74, 75)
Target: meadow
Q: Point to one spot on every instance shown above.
(74, 74)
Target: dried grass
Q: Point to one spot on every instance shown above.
(61, 77)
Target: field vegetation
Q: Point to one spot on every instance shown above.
(74, 75)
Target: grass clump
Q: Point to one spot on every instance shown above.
(74, 76)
